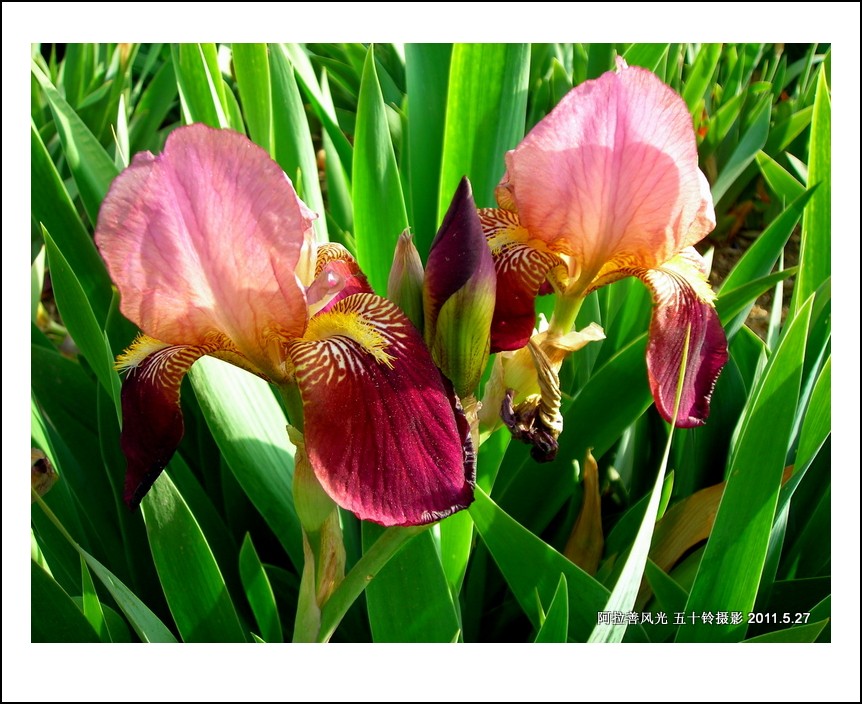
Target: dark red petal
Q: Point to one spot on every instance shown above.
(677, 307)
(521, 272)
(386, 437)
(152, 419)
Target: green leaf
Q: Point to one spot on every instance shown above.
(625, 591)
(736, 551)
(51, 206)
(325, 113)
(555, 629)
(782, 183)
(757, 262)
(530, 567)
(152, 109)
(91, 606)
(248, 426)
(785, 131)
(485, 116)
(378, 202)
(259, 592)
(293, 147)
(409, 599)
(199, 84)
(815, 255)
(193, 585)
(427, 87)
(54, 617)
(146, 624)
(647, 55)
(817, 424)
(700, 77)
(91, 167)
(81, 322)
(251, 65)
(749, 145)
(456, 540)
(372, 561)
(797, 634)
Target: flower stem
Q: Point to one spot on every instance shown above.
(566, 309)
(383, 550)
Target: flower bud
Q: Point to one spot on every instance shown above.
(405, 279)
(460, 288)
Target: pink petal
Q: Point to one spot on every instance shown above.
(612, 171)
(384, 433)
(521, 274)
(205, 238)
(678, 291)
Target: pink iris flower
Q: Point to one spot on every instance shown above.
(608, 186)
(213, 254)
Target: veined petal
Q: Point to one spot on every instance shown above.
(152, 418)
(206, 238)
(384, 433)
(522, 265)
(682, 299)
(613, 172)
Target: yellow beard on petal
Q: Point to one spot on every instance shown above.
(351, 325)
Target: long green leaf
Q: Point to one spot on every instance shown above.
(251, 65)
(555, 629)
(485, 116)
(409, 599)
(530, 567)
(747, 149)
(249, 427)
(293, 148)
(81, 321)
(647, 55)
(378, 201)
(259, 592)
(54, 617)
(427, 87)
(51, 206)
(91, 167)
(199, 84)
(736, 551)
(700, 77)
(815, 255)
(193, 585)
(146, 624)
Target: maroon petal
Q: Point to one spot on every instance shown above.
(522, 266)
(152, 418)
(386, 437)
(682, 303)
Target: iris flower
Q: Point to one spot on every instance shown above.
(606, 186)
(213, 254)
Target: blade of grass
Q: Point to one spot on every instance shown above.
(193, 585)
(409, 599)
(259, 592)
(555, 629)
(91, 167)
(249, 427)
(378, 202)
(735, 553)
(485, 116)
(815, 255)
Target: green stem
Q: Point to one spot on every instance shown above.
(566, 309)
(293, 404)
(383, 550)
